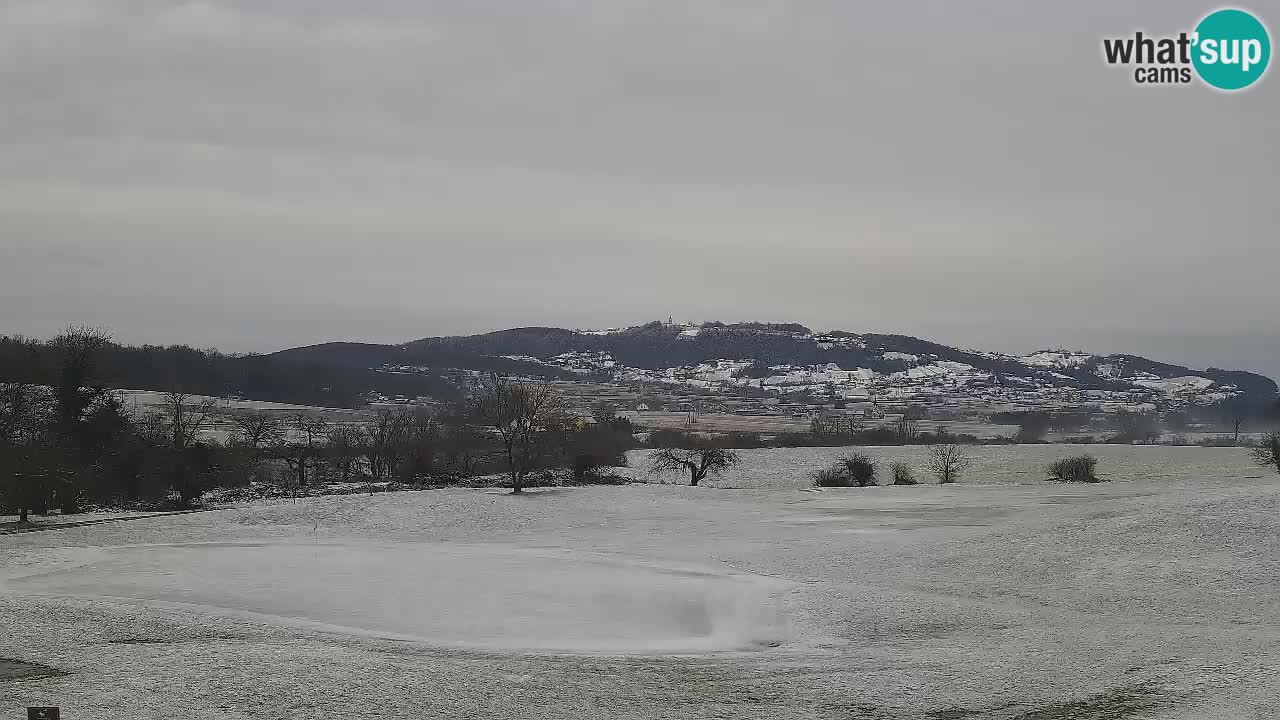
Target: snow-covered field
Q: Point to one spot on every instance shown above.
(1157, 595)
(152, 398)
(497, 597)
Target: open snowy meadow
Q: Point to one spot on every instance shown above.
(1001, 597)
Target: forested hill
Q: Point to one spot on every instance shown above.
(656, 346)
(298, 380)
(343, 373)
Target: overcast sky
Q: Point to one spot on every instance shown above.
(258, 174)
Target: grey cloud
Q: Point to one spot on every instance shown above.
(296, 172)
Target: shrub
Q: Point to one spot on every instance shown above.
(1074, 469)
(833, 476)
(861, 469)
(857, 470)
(902, 474)
(1267, 452)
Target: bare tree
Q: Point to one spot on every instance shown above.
(421, 438)
(1267, 453)
(699, 462)
(902, 474)
(462, 444)
(835, 425)
(527, 416)
(79, 381)
(1237, 420)
(257, 431)
(153, 427)
(20, 412)
(256, 434)
(23, 417)
(907, 429)
(186, 416)
(86, 415)
(300, 452)
(604, 412)
(342, 450)
(310, 428)
(382, 441)
(948, 462)
(915, 412)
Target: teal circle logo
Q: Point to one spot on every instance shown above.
(1231, 49)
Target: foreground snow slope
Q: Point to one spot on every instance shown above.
(482, 596)
(998, 600)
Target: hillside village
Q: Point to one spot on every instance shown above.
(945, 387)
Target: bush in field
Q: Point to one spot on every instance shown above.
(833, 476)
(857, 470)
(861, 469)
(1074, 469)
(902, 474)
(1267, 453)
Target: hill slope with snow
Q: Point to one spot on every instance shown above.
(790, 359)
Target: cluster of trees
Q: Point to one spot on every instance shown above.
(534, 429)
(520, 427)
(823, 433)
(67, 441)
(654, 345)
(1125, 427)
(283, 377)
(904, 431)
(948, 462)
(305, 449)
(1232, 419)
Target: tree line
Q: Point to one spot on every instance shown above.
(68, 441)
(1231, 418)
(278, 378)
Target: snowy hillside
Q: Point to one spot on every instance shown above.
(791, 360)
(1047, 378)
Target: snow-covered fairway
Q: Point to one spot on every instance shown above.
(1145, 598)
(480, 596)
